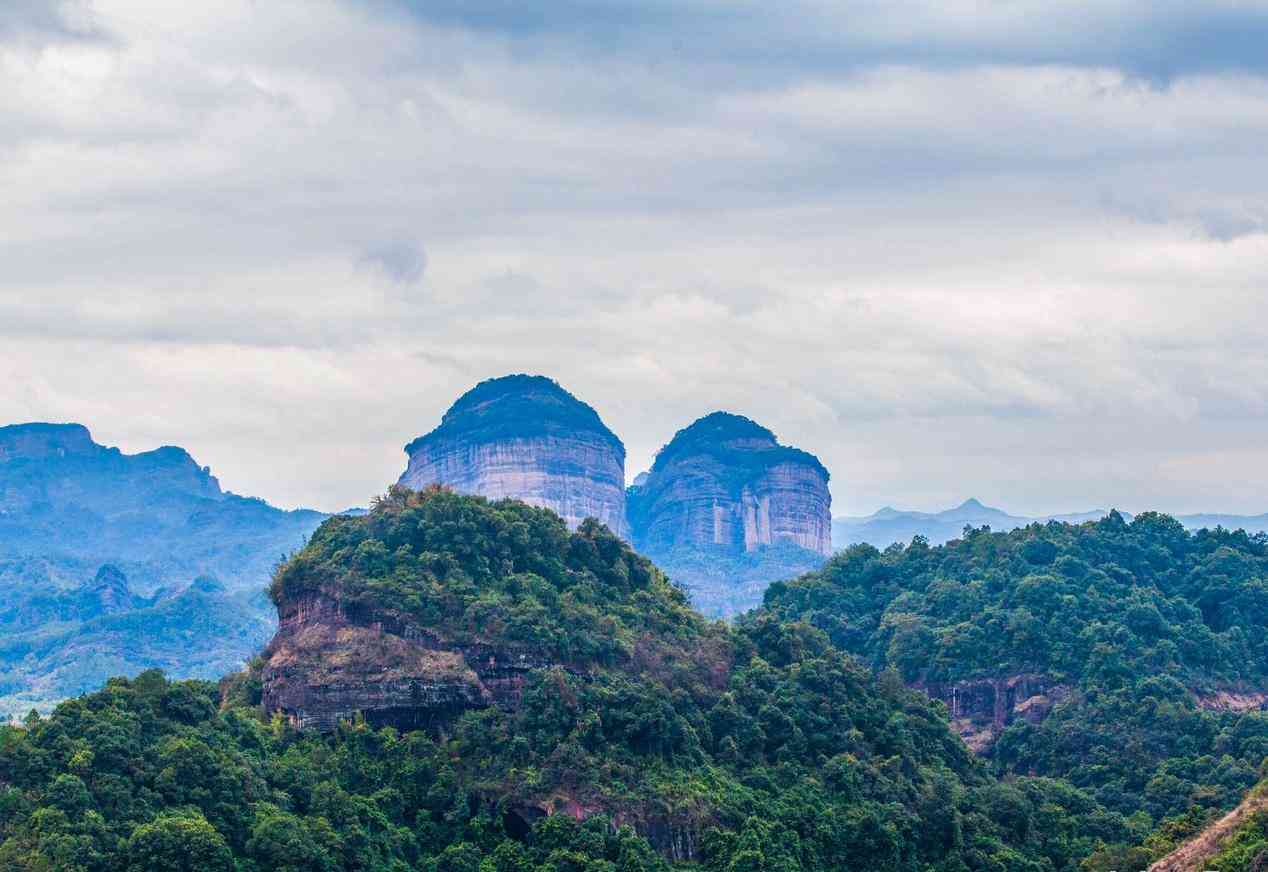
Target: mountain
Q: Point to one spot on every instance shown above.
(1126, 657)
(726, 509)
(1205, 521)
(202, 631)
(888, 526)
(461, 685)
(93, 545)
(525, 437)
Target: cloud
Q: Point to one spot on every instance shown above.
(1014, 250)
(46, 20)
(1157, 40)
(400, 261)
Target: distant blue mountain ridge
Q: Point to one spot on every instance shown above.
(112, 563)
(888, 525)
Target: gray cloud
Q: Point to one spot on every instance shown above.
(1018, 255)
(401, 261)
(47, 20)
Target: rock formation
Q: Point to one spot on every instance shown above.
(331, 660)
(726, 510)
(726, 482)
(526, 437)
(980, 709)
(60, 464)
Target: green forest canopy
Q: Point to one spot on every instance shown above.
(755, 747)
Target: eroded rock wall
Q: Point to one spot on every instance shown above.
(735, 493)
(980, 709)
(577, 477)
(330, 661)
(526, 438)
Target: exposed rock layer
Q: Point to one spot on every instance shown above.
(527, 438)
(726, 482)
(329, 662)
(980, 709)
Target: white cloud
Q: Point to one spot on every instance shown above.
(287, 235)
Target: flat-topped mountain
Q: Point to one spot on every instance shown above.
(69, 504)
(60, 464)
(525, 437)
(726, 510)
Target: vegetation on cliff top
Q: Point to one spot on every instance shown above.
(714, 435)
(518, 406)
(765, 742)
(475, 570)
(1143, 619)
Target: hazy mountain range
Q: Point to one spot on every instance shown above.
(889, 525)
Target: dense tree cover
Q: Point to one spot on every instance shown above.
(762, 747)
(1141, 619)
(475, 570)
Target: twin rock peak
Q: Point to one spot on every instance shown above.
(722, 483)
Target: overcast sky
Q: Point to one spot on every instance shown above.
(1012, 250)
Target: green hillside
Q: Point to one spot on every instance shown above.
(759, 747)
(1158, 633)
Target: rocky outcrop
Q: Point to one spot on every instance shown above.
(39, 441)
(1232, 700)
(725, 482)
(330, 661)
(60, 464)
(980, 709)
(108, 593)
(526, 437)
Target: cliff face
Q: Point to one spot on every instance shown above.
(331, 660)
(726, 510)
(527, 438)
(981, 709)
(59, 464)
(725, 481)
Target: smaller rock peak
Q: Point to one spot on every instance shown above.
(108, 592)
(731, 437)
(206, 584)
(109, 575)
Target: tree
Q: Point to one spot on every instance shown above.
(182, 842)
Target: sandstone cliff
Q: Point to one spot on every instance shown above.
(527, 438)
(726, 482)
(726, 510)
(980, 709)
(332, 659)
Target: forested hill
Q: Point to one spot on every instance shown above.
(556, 676)
(1140, 648)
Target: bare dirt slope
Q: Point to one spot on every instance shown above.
(1191, 856)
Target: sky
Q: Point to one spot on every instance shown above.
(1010, 250)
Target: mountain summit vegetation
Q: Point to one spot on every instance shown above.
(1155, 632)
